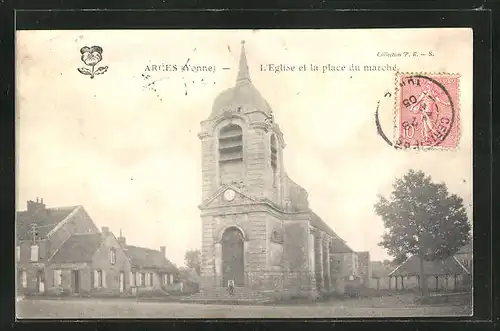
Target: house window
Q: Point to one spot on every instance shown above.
(34, 253)
(143, 279)
(171, 278)
(112, 256)
(137, 279)
(165, 279)
(18, 253)
(24, 279)
(99, 278)
(150, 279)
(132, 279)
(57, 278)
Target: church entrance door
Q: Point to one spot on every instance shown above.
(233, 265)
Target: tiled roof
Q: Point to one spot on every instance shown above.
(380, 269)
(190, 275)
(411, 267)
(318, 223)
(148, 258)
(78, 248)
(45, 219)
(338, 246)
(465, 249)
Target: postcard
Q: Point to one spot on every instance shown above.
(244, 173)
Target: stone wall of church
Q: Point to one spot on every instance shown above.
(299, 277)
(255, 256)
(275, 242)
(254, 226)
(208, 164)
(208, 252)
(269, 277)
(258, 169)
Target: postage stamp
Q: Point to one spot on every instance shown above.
(427, 110)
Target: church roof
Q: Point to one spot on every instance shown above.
(318, 223)
(243, 94)
(411, 267)
(338, 246)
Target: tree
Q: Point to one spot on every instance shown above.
(192, 259)
(421, 218)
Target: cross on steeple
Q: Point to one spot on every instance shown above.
(243, 72)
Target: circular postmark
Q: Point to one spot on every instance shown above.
(426, 111)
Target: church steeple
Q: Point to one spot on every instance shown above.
(243, 95)
(243, 72)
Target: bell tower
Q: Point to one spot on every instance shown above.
(241, 144)
(241, 174)
(256, 221)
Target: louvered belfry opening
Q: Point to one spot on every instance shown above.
(231, 154)
(274, 159)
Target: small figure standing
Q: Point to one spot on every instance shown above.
(230, 287)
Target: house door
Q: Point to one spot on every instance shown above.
(233, 264)
(122, 282)
(40, 281)
(75, 281)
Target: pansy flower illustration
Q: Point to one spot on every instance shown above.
(91, 56)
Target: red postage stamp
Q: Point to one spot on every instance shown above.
(427, 110)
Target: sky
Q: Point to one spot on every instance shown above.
(124, 144)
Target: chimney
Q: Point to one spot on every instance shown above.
(122, 241)
(162, 250)
(105, 230)
(34, 206)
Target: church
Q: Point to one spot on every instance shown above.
(258, 230)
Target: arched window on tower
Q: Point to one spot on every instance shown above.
(231, 154)
(274, 160)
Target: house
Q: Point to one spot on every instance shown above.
(365, 267)
(40, 231)
(437, 273)
(380, 274)
(150, 271)
(89, 264)
(464, 255)
(344, 265)
(61, 251)
(190, 280)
